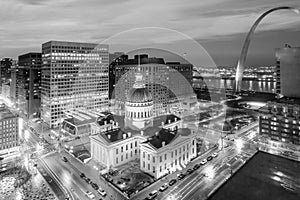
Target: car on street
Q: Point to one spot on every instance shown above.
(65, 159)
(196, 166)
(172, 182)
(189, 171)
(214, 155)
(95, 186)
(163, 187)
(102, 192)
(88, 180)
(209, 158)
(180, 176)
(153, 194)
(203, 162)
(90, 195)
(82, 175)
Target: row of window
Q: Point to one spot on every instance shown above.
(126, 156)
(127, 146)
(175, 162)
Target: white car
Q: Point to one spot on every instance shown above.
(163, 187)
(203, 162)
(153, 193)
(214, 154)
(90, 195)
(102, 192)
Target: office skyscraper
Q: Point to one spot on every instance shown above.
(5, 70)
(74, 75)
(180, 80)
(29, 83)
(287, 72)
(9, 135)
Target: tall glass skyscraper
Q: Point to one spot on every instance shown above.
(74, 75)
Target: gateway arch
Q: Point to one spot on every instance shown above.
(243, 55)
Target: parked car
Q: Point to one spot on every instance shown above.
(95, 186)
(88, 180)
(209, 158)
(214, 155)
(65, 159)
(189, 171)
(90, 195)
(82, 175)
(172, 182)
(197, 166)
(180, 176)
(102, 192)
(153, 194)
(203, 162)
(163, 187)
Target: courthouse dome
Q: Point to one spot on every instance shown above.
(139, 95)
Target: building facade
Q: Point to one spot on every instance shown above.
(29, 83)
(114, 60)
(287, 71)
(115, 147)
(280, 122)
(14, 84)
(9, 132)
(74, 75)
(5, 70)
(180, 79)
(167, 151)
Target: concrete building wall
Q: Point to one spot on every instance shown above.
(288, 70)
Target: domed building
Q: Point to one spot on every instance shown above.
(139, 106)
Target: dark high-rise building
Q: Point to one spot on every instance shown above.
(115, 59)
(5, 70)
(29, 83)
(156, 78)
(288, 70)
(180, 79)
(168, 82)
(14, 84)
(74, 75)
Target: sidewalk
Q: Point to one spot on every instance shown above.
(94, 175)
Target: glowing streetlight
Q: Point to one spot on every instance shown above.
(239, 143)
(209, 172)
(26, 135)
(39, 147)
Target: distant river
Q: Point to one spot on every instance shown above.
(255, 85)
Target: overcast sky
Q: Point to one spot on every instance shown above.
(220, 26)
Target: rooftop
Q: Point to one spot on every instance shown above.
(5, 113)
(142, 59)
(167, 136)
(288, 100)
(80, 117)
(117, 134)
(114, 135)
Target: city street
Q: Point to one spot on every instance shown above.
(33, 149)
(202, 182)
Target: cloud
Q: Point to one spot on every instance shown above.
(32, 22)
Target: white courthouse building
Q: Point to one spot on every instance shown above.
(159, 143)
(167, 151)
